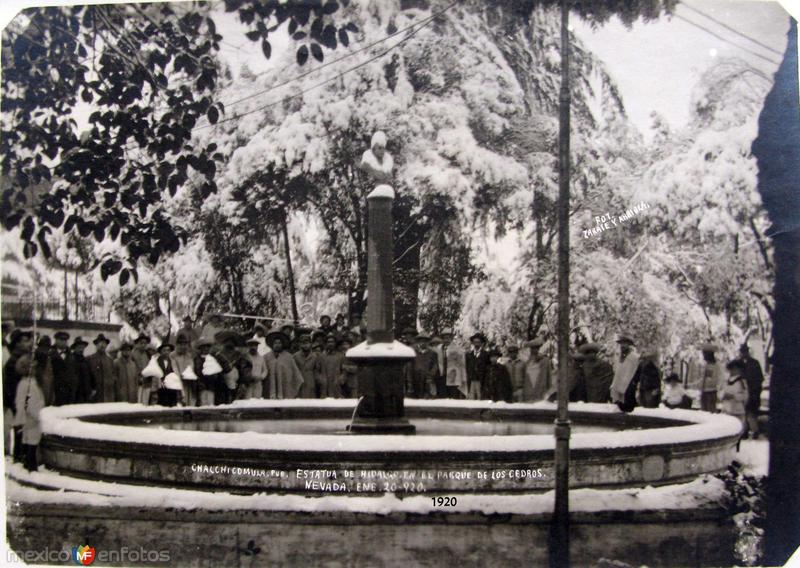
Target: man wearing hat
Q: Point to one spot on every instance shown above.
(62, 363)
(208, 370)
(102, 368)
(331, 372)
(498, 380)
(166, 396)
(237, 367)
(325, 324)
(626, 375)
(754, 377)
(425, 369)
(285, 379)
(19, 346)
(183, 359)
(86, 389)
(598, 373)
(709, 377)
(538, 372)
(127, 372)
(650, 379)
(309, 364)
(189, 330)
(451, 380)
(477, 365)
(516, 372)
(253, 387)
(260, 335)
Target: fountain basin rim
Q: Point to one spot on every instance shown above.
(66, 421)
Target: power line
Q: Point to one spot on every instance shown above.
(734, 30)
(719, 37)
(312, 87)
(419, 24)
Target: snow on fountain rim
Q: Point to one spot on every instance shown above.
(62, 421)
(65, 490)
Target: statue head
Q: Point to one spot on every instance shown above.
(378, 144)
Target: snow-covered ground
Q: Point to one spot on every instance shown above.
(754, 455)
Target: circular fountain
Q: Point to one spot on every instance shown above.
(304, 447)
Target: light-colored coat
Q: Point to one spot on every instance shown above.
(733, 396)
(30, 401)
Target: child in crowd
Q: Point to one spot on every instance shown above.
(674, 394)
(29, 403)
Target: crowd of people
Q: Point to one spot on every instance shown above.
(212, 365)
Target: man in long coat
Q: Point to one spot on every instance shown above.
(626, 375)
(426, 368)
(754, 377)
(103, 372)
(86, 389)
(285, 379)
(127, 372)
(331, 371)
(309, 364)
(538, 373)
(452, 367)
(516, 372)
(65, 374)
(597, 373)
(498, 380)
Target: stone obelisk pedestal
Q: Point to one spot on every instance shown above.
(381, 359)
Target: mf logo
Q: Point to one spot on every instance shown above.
(83, 555)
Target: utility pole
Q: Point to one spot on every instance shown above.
(559, 531)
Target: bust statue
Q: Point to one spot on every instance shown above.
(376, 162)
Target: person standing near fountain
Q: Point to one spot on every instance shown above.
(84, 387)
(710, 378)
(29, 402)
(102, 368)
(309, 364)
(516, 372)
(184, 366)
(331, 372)
(208, 371)
(477, 361)
(425, 369)
(127, 375)
(538, 373)
(142, 358)
(626, 375)
(285, 379)
(597, 372)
